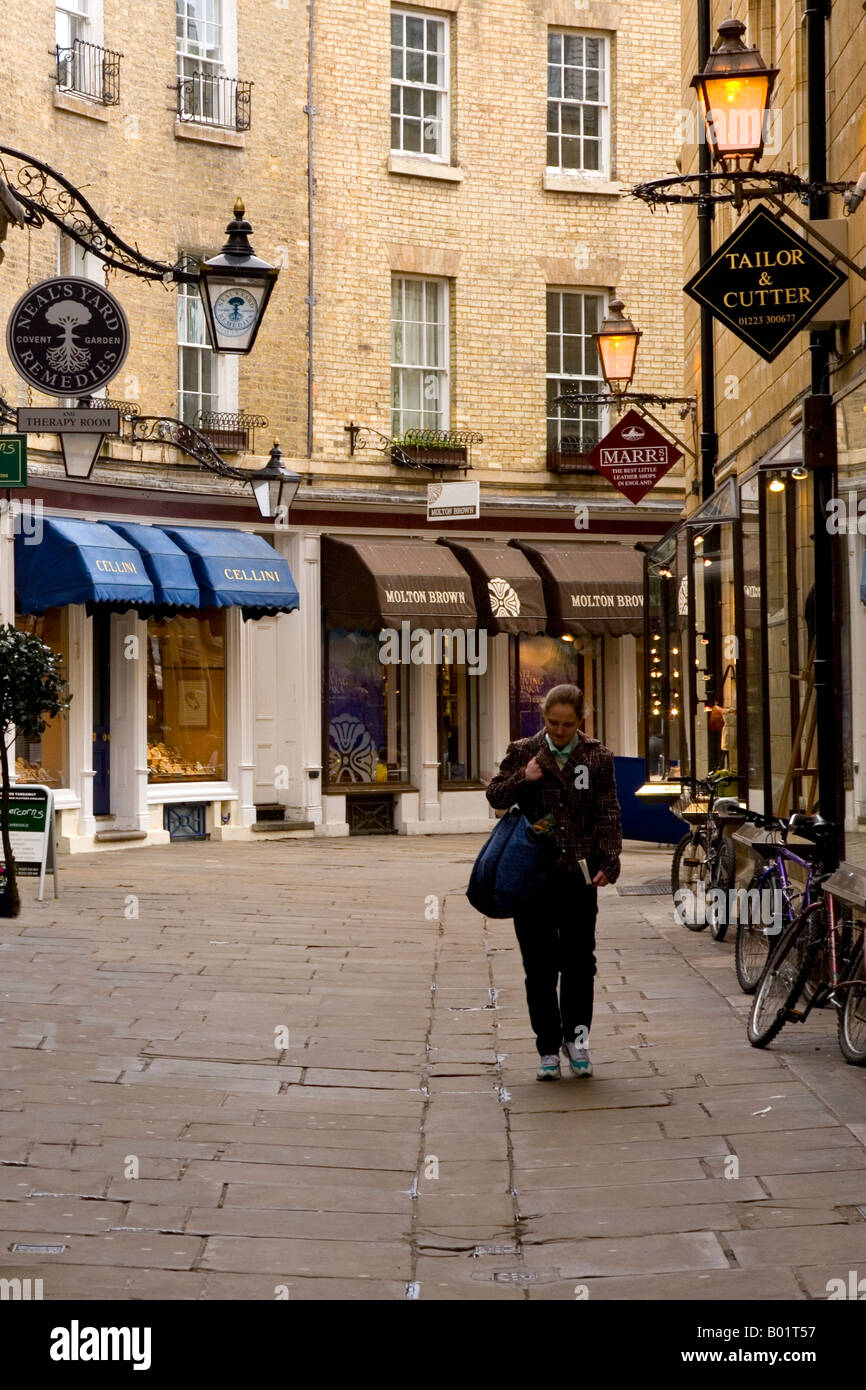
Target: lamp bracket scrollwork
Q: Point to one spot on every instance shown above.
(44, 193)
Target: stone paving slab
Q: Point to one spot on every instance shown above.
(398, 1146)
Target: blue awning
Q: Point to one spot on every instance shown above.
(79, 562)
(236, 569)
(168, 567)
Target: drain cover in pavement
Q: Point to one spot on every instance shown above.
(653, 888)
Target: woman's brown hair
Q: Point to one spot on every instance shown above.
(564, 695)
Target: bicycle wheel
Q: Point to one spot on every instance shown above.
(753, 944)
(787, 971)
(688, 871)
(723, 878)
(851, 1019)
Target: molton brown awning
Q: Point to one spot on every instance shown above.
(508, 591)
(372, 583)
(589, 588)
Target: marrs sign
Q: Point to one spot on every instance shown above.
(765, 283)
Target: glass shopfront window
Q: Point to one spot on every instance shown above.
(46, 759)
(538, 663)
(755, 709)
(186, 697)
(457, 722)
(367, 711)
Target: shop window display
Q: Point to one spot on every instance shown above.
(186, 712)
(457, 720)
(539, 663)
(367, 712)
(46, 760)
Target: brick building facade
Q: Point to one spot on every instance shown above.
(466, 169)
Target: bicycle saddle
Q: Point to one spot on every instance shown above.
(811, 827)
(727, 806)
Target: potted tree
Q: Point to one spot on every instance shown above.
(31, 689)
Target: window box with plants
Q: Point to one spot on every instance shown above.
(434, 448)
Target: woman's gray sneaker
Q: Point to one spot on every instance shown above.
(548, 1068)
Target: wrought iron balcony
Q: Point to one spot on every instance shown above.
(434, 448)
(87, 70)
(568, 455)
(229, 433)
(210, 99)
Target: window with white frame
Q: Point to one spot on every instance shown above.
(73, 259)
(71, 22)
(205, 32)
(573, 319)
(578, 102)
(197, 369)
(419, 354)
(419, 84)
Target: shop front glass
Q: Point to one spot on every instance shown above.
(538, 663)
(752, 636)
(367, 711)
(457, 721)
(665, 663)
(186, 697)
(46, 759)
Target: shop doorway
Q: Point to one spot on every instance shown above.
(101, 714)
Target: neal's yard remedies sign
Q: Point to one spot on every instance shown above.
(633, 456)
(67, 336)
(31, 829)
(765, 283)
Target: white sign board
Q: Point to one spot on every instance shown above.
(31, 831)
(448, 501)
(36, 420)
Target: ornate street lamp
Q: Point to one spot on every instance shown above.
(274, 485)
(734, 92)
(617, 341)
(235, 287)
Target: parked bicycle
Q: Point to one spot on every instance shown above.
(823, 942)
(772, 899)
(704, 858)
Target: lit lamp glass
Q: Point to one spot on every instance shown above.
(617, 341)
(734, 91)
(776, 483)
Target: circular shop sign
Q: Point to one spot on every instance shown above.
(67, 336)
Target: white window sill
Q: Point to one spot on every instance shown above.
(80, 106)
(424, 168)
(210, 134)
(158, 792)
(557, 181)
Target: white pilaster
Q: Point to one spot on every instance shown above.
(239, 715)
(129, 722)
(81, 715)
(494, 707)
(425, 749)
(7, 565)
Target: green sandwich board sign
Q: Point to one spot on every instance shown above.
(13, 460)
(31, 829)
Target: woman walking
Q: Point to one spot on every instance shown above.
(562, 772)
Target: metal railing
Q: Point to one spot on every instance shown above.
(88, 70)
(230, 433)
(568, 453)
(210, 99)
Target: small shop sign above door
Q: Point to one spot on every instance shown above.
(67, 336)
(765, 283)
(447, 501)
(633, 456)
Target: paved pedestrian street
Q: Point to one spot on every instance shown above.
(305, 1070)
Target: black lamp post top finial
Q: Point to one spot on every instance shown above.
(238, 229)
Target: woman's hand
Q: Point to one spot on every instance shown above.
(601, 879)
(534, 772)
